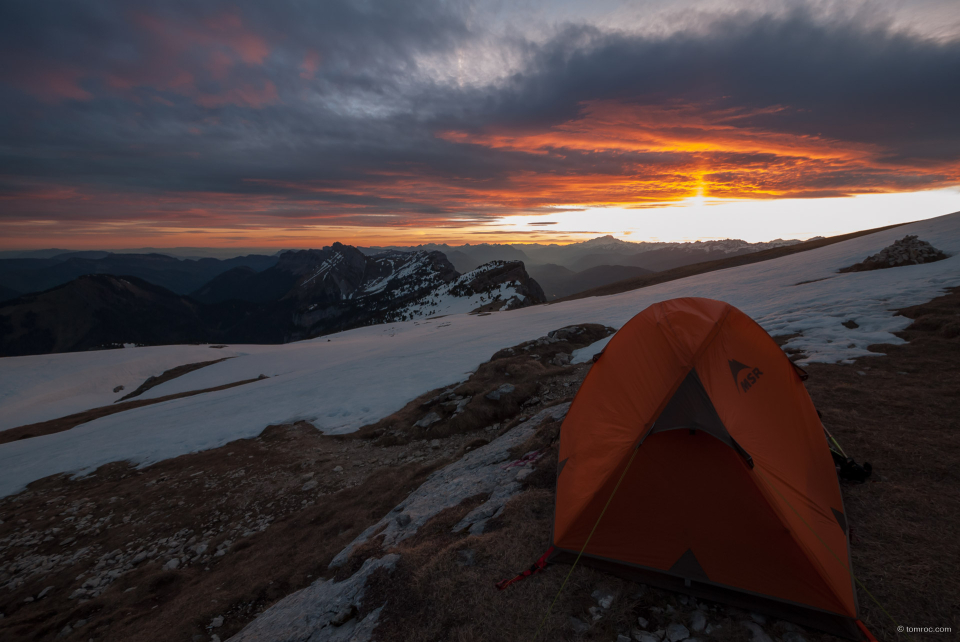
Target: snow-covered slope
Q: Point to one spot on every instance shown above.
(353, 378)
(43, 387)
(500, 284)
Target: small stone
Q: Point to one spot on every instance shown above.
(676, 632)
(642, 622)
(435, 444)
(603, 598)
(698, 621)
(623, 638)
(403, 520)
(79, 624)
(579, 626)
(28, 599)
(216, 622)
(429, 420)
(505, 389)
(171, 564)
(118, 389)
(216, 638)
(338, 469)
(78, 593)
(710, 629)
(65, 631)
(44, 592)
(759, 619)
(310, 485)
(595, 613)
(758, 633)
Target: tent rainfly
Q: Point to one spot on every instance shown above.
(695, 439)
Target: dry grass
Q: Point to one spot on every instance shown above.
(902, 416)
(168, 375)
(214, 496)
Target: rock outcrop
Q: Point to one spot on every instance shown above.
(907, 251)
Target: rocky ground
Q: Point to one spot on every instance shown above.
(400, 531)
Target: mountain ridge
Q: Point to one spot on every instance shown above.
(307, 293)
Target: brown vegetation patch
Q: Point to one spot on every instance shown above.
(167, 375)
(74, 420)
(720, 264)
(794, 354)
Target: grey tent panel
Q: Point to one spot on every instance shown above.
(689, 567)
(690, 408)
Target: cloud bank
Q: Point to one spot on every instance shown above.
(250, 117)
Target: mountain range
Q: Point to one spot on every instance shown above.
(25, 275)
(55, 301)
(304, 294)
(603, 250)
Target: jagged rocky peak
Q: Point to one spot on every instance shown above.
(497, 285)
(399, 272)
(501, 276)
(337, 269)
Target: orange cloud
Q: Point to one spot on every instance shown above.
(675, 150)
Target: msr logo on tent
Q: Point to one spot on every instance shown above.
(749, 380)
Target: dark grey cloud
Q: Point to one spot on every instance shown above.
(350, 105)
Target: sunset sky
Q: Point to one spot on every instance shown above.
(294, 124)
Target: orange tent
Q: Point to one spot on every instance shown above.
(727, 489)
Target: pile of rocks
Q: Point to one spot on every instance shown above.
(907, 251)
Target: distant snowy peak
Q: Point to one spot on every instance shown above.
(402, 274)
(497, 285)
(732, 246)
